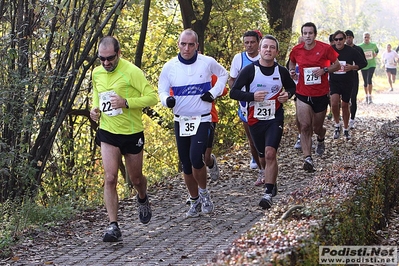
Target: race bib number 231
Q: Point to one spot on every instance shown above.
(265, 110)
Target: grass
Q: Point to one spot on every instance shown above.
(17, 217)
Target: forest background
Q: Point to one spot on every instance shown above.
(48, 48)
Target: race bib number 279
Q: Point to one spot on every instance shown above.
(310, 78)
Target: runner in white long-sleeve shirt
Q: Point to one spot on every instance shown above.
(189, 76)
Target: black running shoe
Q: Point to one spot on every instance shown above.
(145, 212)
(112, 234)
(266, 201)
(308, 165)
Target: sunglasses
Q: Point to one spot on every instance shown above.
(338, 39)
(108, 58)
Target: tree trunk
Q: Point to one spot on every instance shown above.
(143, 32)
(45, 75)
(280, 14)
(191, 13)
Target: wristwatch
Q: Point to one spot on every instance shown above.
(126, 103)
(325, 69)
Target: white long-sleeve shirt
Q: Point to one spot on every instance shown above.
(189, 82)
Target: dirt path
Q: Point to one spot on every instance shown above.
(170, 239)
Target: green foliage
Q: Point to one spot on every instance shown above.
(18, 216)
(365, 212)
(43, 104)
(160, 158)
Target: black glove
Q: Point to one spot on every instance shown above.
(170, 101)
(207, 97)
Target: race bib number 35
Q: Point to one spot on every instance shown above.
(189, 125)
(105, 104)
(265, 110)
(309, 77)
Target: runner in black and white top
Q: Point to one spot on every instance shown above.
(341, 81)
(264, 81)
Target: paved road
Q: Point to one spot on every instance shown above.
(169, 239)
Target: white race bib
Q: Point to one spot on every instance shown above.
(342, 69)
(309, 77)
(368, 54)
(188, 125)
(265, 110)
(105, 104)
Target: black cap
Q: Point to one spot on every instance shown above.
(349, 33)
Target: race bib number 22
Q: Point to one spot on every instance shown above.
(105, 104)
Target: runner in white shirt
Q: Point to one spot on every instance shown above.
(251, 54)
(390, 59)
(189, 76)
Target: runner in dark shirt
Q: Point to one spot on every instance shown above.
(341, 81)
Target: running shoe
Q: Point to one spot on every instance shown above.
(253, 164)
(346, 134)
(297, 145)
(308, 165)
(144, 210)
(112, 234)
(352, 123)
(266, 202)
(320, 148)
(370, 101)
(261, 178)
(195, 208)
(206, 203)
(337, 132)
(214, 171)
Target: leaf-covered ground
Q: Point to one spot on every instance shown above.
(340, 169)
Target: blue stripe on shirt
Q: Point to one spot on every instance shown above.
(192, 89)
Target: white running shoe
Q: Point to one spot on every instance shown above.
(206, 203)
(261, 178)
(352, 123)
(253, 164)
(298, 145)
(214, 171)
(195, 208)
